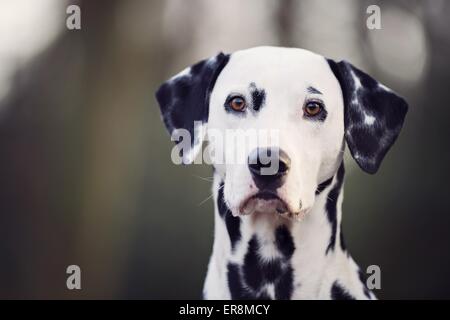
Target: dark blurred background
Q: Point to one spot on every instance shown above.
(85, 170)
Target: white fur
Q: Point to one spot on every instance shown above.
(369, 120)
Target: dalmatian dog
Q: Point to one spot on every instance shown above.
(278, 234)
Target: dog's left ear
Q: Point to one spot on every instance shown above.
(373, 115)
(184, 101)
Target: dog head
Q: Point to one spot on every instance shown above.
(307, 106)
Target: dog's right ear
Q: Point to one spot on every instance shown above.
(184, 101)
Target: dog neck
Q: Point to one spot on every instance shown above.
(265, 256)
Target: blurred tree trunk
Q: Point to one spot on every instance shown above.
(116, 114)
(284, 22)
(71, 136)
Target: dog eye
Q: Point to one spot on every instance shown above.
(237, 103)
(312, 108)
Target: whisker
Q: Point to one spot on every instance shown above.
(328, 197)
(209, 179)
(210, 196)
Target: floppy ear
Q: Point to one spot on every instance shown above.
(373, 115)
(184, 101)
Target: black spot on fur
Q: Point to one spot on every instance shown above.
(235, 285)
(284, 241)
(263, 296)
(252, 266)
(284, 287)
(340, 293)
(222, 206)
(363, 280)
(258, 97)
(371, 142)
(341, 238)
(331, 206)
(271, 270)
(232, 223)
(323, 186)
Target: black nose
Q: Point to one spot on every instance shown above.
(268, 167)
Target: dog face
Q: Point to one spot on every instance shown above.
(277, 86)
(310, 104)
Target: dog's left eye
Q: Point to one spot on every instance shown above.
(236, 103)
(312, 108)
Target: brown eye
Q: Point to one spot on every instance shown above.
(237, 104)
(312, 108)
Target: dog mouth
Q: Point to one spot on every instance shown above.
(264, 202)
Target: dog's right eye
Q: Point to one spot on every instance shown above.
(236, 103)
